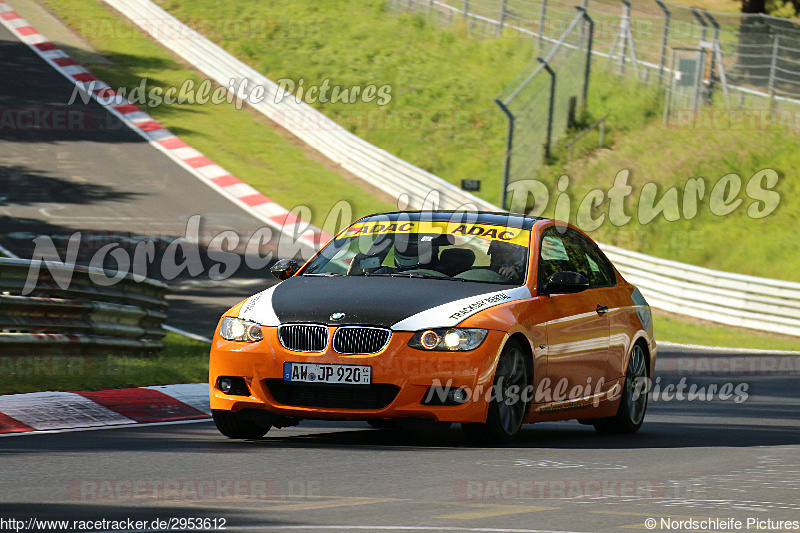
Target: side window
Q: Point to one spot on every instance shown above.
(560, 252)
(600, 271)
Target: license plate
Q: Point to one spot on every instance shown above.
(325, 373)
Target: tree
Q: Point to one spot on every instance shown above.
(754, 6)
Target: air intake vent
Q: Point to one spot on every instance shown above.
(304, 337)
(355, 340)
(375, 396)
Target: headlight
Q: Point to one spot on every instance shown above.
(448, 340)
(236, 329)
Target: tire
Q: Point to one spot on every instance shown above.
(234, 426)
(633, 403)
(504, 419)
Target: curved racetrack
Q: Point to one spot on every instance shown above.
(706, 458)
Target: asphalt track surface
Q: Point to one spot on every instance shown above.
(700, 459)
(692, 459)
(76, 168)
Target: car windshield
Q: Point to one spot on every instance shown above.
(443, 250)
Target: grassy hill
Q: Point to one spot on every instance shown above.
(441, 117)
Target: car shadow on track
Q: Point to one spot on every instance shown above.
(557, 435)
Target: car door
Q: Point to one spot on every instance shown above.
(577, 327)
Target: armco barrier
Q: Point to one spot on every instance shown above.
(84, 318)
(732, 299)
(758, 303)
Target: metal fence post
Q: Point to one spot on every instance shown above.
(509, 147)
(541, 24)
(702, 21)
(699, 78)
(502, 17)
(587, 72)
(466, 8)
(715, 45)
(670, 89)
(551, 106)
(664, 41)
(626, 20)
(773, 65)
(703, 40)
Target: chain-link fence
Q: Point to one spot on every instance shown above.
(751, 61)
(543, 101)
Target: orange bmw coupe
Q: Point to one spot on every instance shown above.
(491, 320)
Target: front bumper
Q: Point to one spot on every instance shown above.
(401, 377)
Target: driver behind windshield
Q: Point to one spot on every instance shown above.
(412, 254)
(507, 259)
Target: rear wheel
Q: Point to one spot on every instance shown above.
(633, 403)
(507, 406)
(235, 426)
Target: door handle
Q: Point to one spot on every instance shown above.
(602, 309)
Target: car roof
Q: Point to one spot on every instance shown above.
(497, 218)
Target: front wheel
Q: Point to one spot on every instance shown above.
(235, 426)
(507, 405)
(633, 403)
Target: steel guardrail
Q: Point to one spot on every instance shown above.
(733, 299)
(65, 311)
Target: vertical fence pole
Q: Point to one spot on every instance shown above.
(509, 148)
(551, 106)
(541, 24)
(466, 8)
(626, 20)
(773, 65)
(664, 41)
(703, 41)
(502, 16)
(602, 132)
(714, 47)
(589, 42)
(699, 78)
(670, 90)
(702, 23)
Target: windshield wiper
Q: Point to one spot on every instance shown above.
(327, 274)
(409, 275)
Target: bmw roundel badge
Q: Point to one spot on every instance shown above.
(337, 316)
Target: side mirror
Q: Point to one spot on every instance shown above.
(565, 282)
(284, 269)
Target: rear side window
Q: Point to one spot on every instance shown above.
(571, 251)
(560, 252)
(601, 273)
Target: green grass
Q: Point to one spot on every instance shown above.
(239, 140)
(668, 157)
(441, 116)
(674, 328)
(182, 360)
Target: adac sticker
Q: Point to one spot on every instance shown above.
(481, 231)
